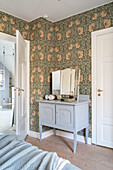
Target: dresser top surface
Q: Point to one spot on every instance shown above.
(63, 102)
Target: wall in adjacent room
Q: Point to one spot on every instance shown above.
(4, 94)
(59, 45)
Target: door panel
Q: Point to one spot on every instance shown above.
(108, 92)
(21, 85)
(107, 46)
(107, 135)
(47, 114)
(105, 83)
(64, 116)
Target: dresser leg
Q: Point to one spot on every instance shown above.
(86, 134)
(40, 128)
(54, 131)
(75, 141)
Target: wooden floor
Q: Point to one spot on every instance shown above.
(87, 157)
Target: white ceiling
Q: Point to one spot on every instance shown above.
(54, 9)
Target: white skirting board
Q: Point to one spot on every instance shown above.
(58, 133)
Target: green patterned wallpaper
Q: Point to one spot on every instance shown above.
(9, 24)
(59, 45)
(42, 64)
(73, 44)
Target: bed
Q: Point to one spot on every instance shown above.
(16, 154)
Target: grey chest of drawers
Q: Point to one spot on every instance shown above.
(71, 117)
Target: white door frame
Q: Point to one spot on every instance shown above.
(11, 38)
(94, 36)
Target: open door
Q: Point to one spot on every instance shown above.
(21, 85)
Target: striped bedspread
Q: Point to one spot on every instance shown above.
(16, 154)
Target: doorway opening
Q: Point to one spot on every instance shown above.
(7, 86)
(14, 88)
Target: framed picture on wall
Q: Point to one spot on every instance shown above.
(2, 79)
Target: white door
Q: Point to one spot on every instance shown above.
(21, 85)
(104, 88)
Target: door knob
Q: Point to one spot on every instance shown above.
(7, 104)
(17, 89)
(99, 90)
(21, 89)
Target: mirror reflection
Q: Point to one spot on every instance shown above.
(66, 82)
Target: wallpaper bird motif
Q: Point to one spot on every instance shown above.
(59, 45)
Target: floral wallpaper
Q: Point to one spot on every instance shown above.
(42, 65)
(9, 24)
(73, 44)
(53, 46)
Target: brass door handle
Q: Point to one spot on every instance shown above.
(19, 89)
(99, 90)
(7, 104)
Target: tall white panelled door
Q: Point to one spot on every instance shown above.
(22, 85)
(102, 91)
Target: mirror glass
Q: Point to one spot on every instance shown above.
(56, 82)
(77, 83)
(66, 82)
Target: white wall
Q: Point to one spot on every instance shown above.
(9, 57)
